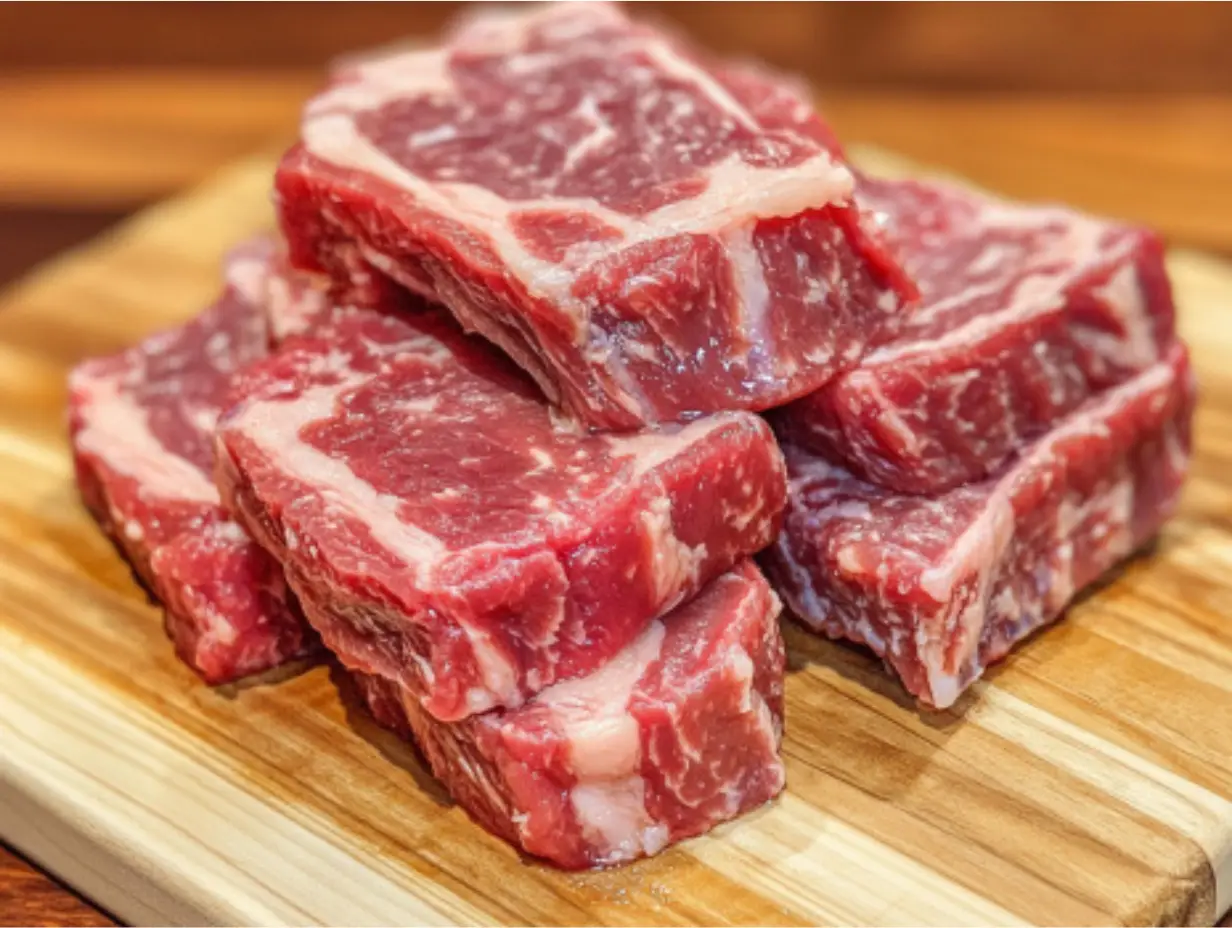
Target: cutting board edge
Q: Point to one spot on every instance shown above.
(81, 853)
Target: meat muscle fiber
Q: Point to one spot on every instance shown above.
(678, 732)
(296, 301)
(941, 586)
(141, 424)
(453, 533)
(649, 235)
(1026, 312)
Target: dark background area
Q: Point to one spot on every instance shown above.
(1118, 108)
(946, 46)
(107, 107)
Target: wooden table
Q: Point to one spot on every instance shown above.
(30, 897)
(79, 151)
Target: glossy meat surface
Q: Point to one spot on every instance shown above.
(941, 586)
(142, 424)
(454, 533)
(650, 235)
(678, 732)
(1026, 312)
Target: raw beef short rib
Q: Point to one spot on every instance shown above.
(142, 426)
(1026, 312)
(649, 235)
(677, 733)
(453, 533)
(942, 586)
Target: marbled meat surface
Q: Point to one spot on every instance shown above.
(295, 301)
(447, 530)
(1027, 311)
(678, 732)
(142, 424)
(941, 586)
(298, 301)
(650, 235)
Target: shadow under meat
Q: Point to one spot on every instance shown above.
(399, 750)
(858, 664)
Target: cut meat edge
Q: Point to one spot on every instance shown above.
(486, 623)
(1082, 498)
(133, 417)
(678, 732)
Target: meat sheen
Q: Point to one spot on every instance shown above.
(453, 533)
(650, 235)
(677, 733)
(142, 425)
(1026, 312)
(942, 586)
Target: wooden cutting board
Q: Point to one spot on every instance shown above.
(1087, 780)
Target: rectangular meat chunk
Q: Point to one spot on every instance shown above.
(677, 733)
(941, 586)
(650, 235)
(1026, 312)
(454, 532)
(142, 424)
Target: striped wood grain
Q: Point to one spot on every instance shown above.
(1086, 781)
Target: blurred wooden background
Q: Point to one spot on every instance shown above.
(1012, 46)
(1121, 109)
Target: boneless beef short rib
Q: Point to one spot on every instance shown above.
(649, 235)
(940, 586)
(452, 533)
(1026, 312)
(678, 732)
(142, 433)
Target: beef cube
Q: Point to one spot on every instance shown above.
(142, 426)
(455, 533)
(941, 586)
(677, 733)
(1026, 312)
(649, 235)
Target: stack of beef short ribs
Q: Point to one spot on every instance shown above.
(1025, 430)
(485, 425)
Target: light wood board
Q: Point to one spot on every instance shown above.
(1087, 780)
